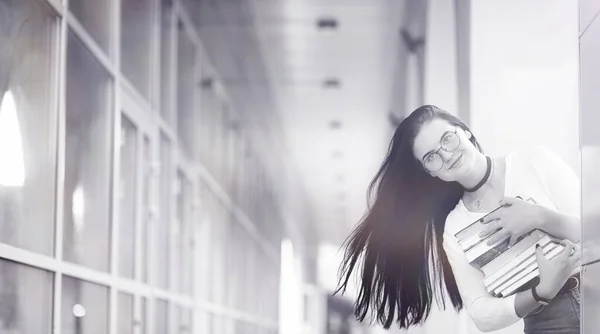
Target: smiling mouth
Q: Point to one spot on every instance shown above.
(455, 162)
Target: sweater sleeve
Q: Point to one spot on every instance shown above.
(489, 313)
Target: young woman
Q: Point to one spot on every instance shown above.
(435, 181)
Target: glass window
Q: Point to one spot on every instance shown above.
(28, 45)
(207, 127)
(143, 323)
(166, 59)
(161, 316)
(127, 198)
(186, 86)
(178, 232)
(234, 268)
(95, 19)
(146, 193)
(163, 234)
(183, 235)
(125, 314)
(136, 42)
(176, 320)
(25, 299)
(84, 307)
(201, 253)
(87, 159)
(185, 321)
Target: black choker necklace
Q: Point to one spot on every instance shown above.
(485, 177)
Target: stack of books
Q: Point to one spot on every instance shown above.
(506, 268)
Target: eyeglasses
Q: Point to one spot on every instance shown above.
(434, 161)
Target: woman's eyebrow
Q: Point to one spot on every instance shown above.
(441, 138)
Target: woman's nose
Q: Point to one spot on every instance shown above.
(447, 156)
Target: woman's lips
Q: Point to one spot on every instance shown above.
(455, 162)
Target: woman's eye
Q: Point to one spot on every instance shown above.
(446, 139)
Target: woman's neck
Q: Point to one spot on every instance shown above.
(492, 191)
(477, 173)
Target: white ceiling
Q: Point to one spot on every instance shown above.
(336, 165)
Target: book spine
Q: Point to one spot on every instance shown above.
(521, 246)
(531, 272)
(514, 271)
(513, 288)
(509, 267)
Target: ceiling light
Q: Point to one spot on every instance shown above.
(331, 83)
(337, 154)
(335, 124)
(327, 23)
(207, 83)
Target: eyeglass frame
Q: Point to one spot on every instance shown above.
(455, 133)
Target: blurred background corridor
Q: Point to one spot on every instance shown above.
(193, 166)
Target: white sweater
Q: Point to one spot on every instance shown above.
(535, 172)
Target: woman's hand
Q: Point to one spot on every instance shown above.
(515, 218)
(554, 273)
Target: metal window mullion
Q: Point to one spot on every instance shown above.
(204, 245)
(167, 130)
(153, 221)
(116, 184)
(80, 272)
(140, 217)
(154, 95)
(233, 314)
(173, 297)
(243, 219)
(57, 6)
(90, 44)
(137, 98)
(172, 123)
(60, 90)
(134, 110)
(171, 220)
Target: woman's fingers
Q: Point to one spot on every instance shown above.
(490, 229)
(567, 251)
(501, 235)
(575, 256)
(539, 254)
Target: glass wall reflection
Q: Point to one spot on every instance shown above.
(88, 158)
(28, 113)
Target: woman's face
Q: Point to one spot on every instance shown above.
(445, 150)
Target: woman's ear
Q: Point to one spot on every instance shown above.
(468, 134)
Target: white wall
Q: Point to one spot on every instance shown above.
(440, 84)
(523, 74)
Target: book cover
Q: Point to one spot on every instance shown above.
(524, 279)
(505, 268)
(518, 268)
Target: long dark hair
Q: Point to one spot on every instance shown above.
(397, 247)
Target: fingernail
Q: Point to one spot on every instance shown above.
(481, 220)
(537, 246)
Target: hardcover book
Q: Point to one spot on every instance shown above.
(506, 268)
